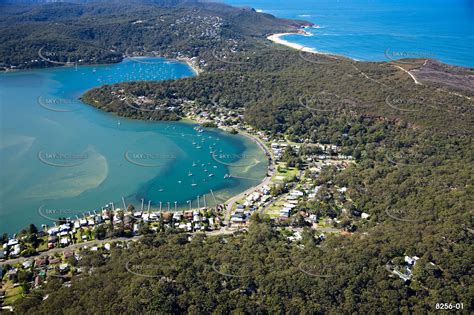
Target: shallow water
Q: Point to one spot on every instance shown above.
(65, 158)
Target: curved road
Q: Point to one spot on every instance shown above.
(271, 169)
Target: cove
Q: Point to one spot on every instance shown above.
(63, 158)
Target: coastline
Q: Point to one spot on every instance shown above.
(191, 64)
(277, 39)
(265, 181)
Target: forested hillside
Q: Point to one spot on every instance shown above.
(67, 33)
(413, 173)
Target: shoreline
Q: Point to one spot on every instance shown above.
(277, 39)
(191, 64)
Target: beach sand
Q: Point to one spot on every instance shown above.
(277, 38)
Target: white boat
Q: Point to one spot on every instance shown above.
(210, 175)
(190, 174)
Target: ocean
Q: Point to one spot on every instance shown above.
(369, 30)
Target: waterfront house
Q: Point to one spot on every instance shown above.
(64, 241)
(188, 215)
(16, 251)
(177, 216)
(12, 242)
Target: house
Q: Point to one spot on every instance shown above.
(136, 227)
(404, 276)
(297, 193)
(54, 261)
(98, 219)
(64, 241)
(68, 254)
(238, 218)
(41, 261)
(16, 250)
(12, 242)
(64, 267)
(64, 227)
(285, 212)
(411, 260)
(27, 264)
(365, 215)
(12, 274)
(188, 215)
(342, 190)
(154, 216)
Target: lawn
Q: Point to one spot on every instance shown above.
(274, 210)
(12, 294)
(284, 173)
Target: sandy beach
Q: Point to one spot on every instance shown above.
(191, 64)
(277, 38)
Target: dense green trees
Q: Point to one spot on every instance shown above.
(412, 144)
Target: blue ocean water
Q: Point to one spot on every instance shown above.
(366, 29)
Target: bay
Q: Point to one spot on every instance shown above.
(63, 158)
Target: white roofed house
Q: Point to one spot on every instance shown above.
(15, 251)
(411, 260)
(297, 193)
(64, 241)
(53, 231)
(285, 212)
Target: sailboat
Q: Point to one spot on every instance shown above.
(190, 174)
(194, 164)
(194, 184)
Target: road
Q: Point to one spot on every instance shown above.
(68, 248)
(271, 169)
(98, 242)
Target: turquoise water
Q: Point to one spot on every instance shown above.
(64, 157)
(366, 29)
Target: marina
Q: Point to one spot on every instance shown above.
(110, 156)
